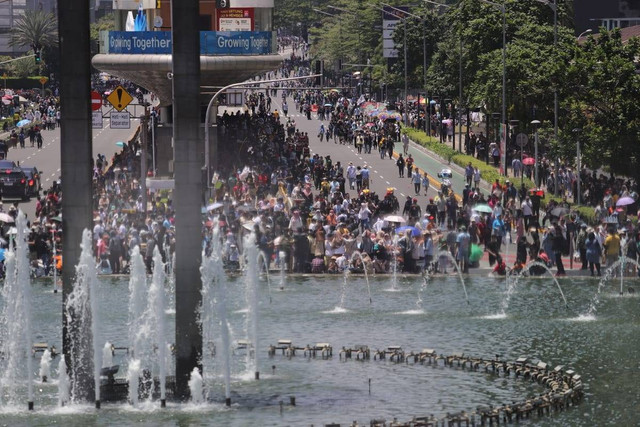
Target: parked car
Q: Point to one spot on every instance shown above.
(14, 183)
(33, 180)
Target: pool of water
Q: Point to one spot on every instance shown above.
(603, 349)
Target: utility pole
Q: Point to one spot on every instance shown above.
(144, 123)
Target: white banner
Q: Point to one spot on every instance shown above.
(96, 120)
(120, 120)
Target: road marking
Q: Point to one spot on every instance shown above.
(381, 177)
(402, 194)
(388, 183)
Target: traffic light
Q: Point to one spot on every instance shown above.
(223, 4)
(37, 57)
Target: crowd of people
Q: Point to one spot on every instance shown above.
(314, 214)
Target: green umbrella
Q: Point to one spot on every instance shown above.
(476, 253)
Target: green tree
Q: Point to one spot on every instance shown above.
(603, 89)
(25, 67)
(35, 28)
(106, 23)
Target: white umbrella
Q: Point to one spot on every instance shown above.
(214, 206)
(5, 217)
(395, 218)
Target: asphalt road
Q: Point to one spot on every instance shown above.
(48, 161)
(384, 172)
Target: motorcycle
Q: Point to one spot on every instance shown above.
(445, 176)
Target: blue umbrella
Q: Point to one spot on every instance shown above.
(23, 123)
(1, 254)
(120, 144)
(414, 230)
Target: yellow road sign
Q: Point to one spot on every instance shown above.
(119, 98)
(43, 80)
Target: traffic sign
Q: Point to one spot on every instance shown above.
(96, 101)
(120, 98)
(96, 120)
(522, 140)
(43, 80)
(120, 120)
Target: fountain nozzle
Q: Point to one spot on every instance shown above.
(163, 403)
(30, 405)
(227, 401)
(97, 404)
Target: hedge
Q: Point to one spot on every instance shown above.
(488, 172)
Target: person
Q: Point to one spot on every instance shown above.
(321, 132)
(351, 175)
(611, 247)
(463, 245)
(405, 143)
(400, 164)
(425, 183)
(409, 163)
(581, 245)
(593, 252)
(498, 229)
(558, 245)
(416, 180)
(468, 173)
(476, 178)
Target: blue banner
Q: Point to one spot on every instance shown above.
(235, 42)
(211, 42)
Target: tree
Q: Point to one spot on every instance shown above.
(106, 23)
(603, 89)
(35, 28)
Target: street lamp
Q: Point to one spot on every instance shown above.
(554, 7)
(404, 24)
(535, 124)
(583, 33)
(503, 119)
(577, 132)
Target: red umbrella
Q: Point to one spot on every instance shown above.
(529, 161)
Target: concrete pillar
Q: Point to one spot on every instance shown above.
(188, 189)
(76, 154)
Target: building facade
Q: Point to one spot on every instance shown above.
(593, 14)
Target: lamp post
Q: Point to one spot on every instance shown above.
(321, 12)
(577, 132)
(424, 46)
(503, 119)
(587, 31)
(535, 124)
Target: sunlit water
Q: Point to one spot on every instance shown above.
(602, 348)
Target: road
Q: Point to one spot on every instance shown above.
(47, 159)
(384, 172)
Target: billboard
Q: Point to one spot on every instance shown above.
(211, 42)
(235, 19)
(390, 19)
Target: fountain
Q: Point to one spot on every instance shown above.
(608, 275)
(196, 386)
(446, 254)
(366, 274)
(107, 355)
(423, 287)
(133, 378)
(82, 311)
(17, 335)
(262, 257)
(511, 285)
(212, 272)
(156, 314)
(45, 366)
(137, 301)
(64, 392)
(251, 251)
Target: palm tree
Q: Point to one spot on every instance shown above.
(36, 28)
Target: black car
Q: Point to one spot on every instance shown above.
(14, 184)
(33, 180)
